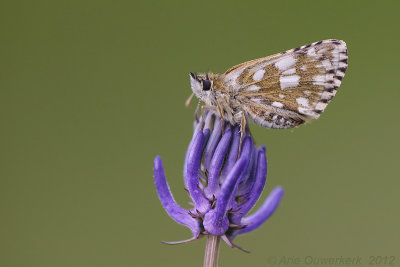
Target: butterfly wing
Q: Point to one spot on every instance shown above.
(287, 89)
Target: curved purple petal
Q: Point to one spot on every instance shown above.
(216, 221)
(245, 155)
(264, 212)
(186, 158)
(191, 173)
(212, 142)
(233, 153)
(177, 213)
(216, 165)
(246, 187)
(257, 188)
(250, 167)
(206, 133)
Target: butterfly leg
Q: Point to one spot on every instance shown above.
(221, 115)
(187, 103)
(242, 131)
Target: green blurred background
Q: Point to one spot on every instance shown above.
(92, 91)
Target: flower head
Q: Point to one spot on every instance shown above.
(223, 181)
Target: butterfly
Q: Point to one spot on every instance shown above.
(280, 91)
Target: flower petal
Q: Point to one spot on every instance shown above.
(264, 212)
(212, 143)
(232, 154)
(177, 213)
(257, 187)
(191, 173)
(246, 152)
(251, 165)
(216, 221)
(216, 164)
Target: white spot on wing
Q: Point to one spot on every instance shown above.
(289, 81)
(303, 110)
(303, 68)
(321, 106)
(232, 78)
(285, 62)
(253, 88)
(302, 101)
(289, 71)
(277, 104)
(258, 75)
(319, 80)
(326, 95)
(325, 64)
(281, 96)
(311, 52)
(306, 111)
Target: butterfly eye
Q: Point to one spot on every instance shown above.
(206, 85)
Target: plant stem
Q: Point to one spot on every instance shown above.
(212, 251)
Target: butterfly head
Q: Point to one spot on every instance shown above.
(201, 85)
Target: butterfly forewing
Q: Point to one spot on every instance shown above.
(286, 89)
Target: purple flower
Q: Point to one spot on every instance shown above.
(222, 184)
